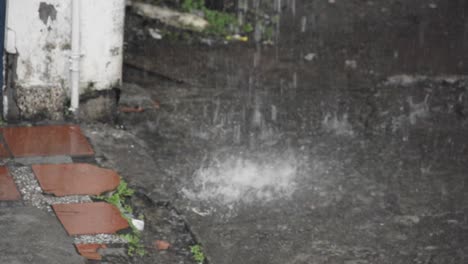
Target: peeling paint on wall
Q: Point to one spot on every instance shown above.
(47, 11)
(115, 51)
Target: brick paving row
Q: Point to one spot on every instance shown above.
(46, 141)
(64, 180)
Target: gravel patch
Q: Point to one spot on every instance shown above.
(4, 162)
(100, 239)
(32, 192)
(43, 160)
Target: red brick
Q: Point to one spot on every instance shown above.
(46, 141)
(3, 152)
(90, 218)
(90, 251)
(161, 245)
(8, 190)
(75, 179)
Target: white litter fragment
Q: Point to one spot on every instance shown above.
(200, 213)
(138, 224)
(154, 33)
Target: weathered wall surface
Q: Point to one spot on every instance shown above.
(38, 49)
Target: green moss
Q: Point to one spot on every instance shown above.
(135, 246)
(189, 5)
(275, 19)
(119, 197)
(268, 33)
(219, 22)
(247, 28)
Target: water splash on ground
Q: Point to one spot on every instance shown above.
(338, 125)
(244, 179)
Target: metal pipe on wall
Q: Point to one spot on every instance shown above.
(3, 100)
(75, 56)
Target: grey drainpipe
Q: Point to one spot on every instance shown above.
(2, 48)
(75, 57)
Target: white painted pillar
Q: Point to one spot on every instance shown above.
(102, 31)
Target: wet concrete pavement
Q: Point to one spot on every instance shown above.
(354, 154)
(27, 233)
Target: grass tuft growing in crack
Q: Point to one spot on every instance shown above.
(220, 23)
(134, 243)
(119, 198)
(189, 5)
(197, 253)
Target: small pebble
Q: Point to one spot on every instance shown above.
(351, 64)
(310, 57)
(162, 245)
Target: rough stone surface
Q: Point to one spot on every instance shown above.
(101, 107)
(30, 235)
(137, 97)
(41, 102)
